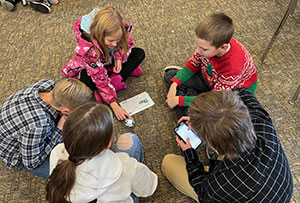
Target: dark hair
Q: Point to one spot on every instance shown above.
(222, 120)
(86, 133)
(216, 28)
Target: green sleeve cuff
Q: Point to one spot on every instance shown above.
(184, 75)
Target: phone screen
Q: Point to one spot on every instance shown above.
(184, 132)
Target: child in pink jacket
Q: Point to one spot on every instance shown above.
(105, 56)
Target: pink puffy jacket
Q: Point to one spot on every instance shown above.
(85, 55)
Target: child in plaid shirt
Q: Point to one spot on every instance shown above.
(31, 122)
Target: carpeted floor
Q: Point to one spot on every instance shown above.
(35, 46)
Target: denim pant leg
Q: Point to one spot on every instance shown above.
(41, 171)
(135, 151)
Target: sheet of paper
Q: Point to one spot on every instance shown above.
(137, 103)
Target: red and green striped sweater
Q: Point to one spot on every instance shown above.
(234, 69)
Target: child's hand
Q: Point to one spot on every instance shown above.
(184, 146)
(61, 122)
(172, 91)
(186, 119)
(173, 101)
(119, 112)
(118, 66)
(56, 2)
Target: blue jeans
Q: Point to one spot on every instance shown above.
(41, 171)
(135, 151)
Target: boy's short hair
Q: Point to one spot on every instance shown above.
(217, 28)
(221, 119)
(71, 93)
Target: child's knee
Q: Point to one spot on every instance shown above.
(169, 75)
(141, 54)
(167, 160)
(125, 141)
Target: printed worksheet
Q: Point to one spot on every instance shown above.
(137, 103)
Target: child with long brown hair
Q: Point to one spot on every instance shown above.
(105, 56)
(84, 169)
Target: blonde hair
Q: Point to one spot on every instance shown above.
(216, 28)
(71, 93)
(106, 23)
(221, 119)
(86, 133)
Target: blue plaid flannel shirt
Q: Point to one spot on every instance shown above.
(27, 127)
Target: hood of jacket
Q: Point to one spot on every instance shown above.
(108, 172)
(83, 25)
(94, 176)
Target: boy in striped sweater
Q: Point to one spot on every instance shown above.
(220, 62)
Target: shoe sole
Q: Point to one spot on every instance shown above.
(7, 5)
(24, 2)
(40, 7)
(172, 68)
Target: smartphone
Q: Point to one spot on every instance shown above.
(184, 132)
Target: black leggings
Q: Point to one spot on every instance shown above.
(135, 58)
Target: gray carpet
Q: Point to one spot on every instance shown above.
(35, 46)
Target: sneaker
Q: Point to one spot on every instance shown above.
(172, 68)
(24, 2)
(41, 6)
(7, 4)
(138, 71)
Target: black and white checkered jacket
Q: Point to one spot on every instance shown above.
(261, 174)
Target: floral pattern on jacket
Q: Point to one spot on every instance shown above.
(86, 54)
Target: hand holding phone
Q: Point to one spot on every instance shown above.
(183, 145)
(185, 119)
(183, 132)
